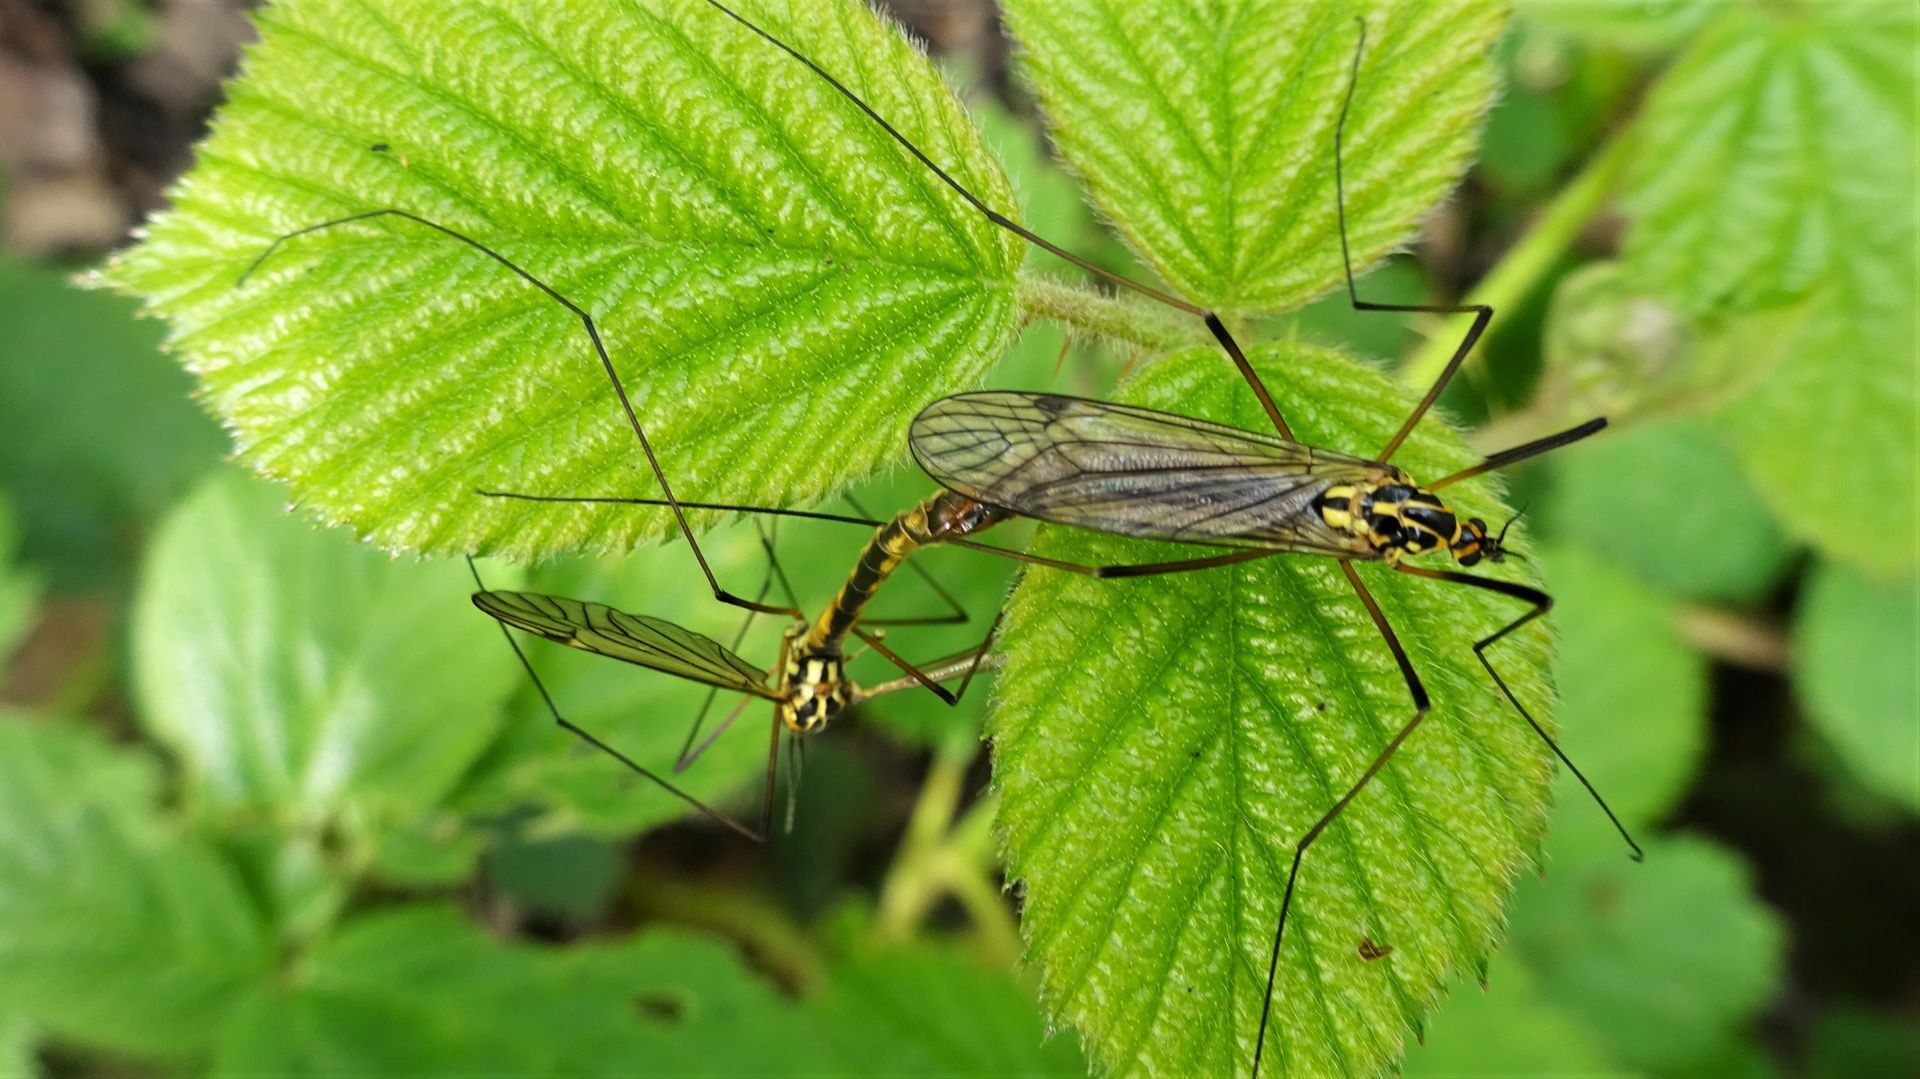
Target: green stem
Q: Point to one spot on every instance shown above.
(1528, 262)
(914, 881)
(1138, 325)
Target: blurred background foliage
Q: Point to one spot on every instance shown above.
(271, 802)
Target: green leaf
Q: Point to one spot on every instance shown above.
(1664, 957)
(663, 1003)
(17, 1057)
(1161, 743)
(420, 991)
(1649, 25)
(779, 283)
(300, 674)
(1205, 131)
(19, 588)
(101, 438)
(1841, 396)
(1745, 189)
(1849, 1042)
(114, 929)
(1507, 1028)
(928, 1011)
(1855, 640)
(1667, 500)
(1633, 699)
(1747, 194)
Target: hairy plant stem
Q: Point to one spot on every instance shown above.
(1527, 263)
(1136, 325)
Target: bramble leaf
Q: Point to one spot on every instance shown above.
(1161, 743)
(19, 587)
(1663, 957)
(1633, 700)
(779, 284)
(101, 437)
(1854, 641)
(1747, 194)
(1667, 500)
(115, 929)
(928, 1011)
(1506, 1028)
(1205, 132)
(299, 674)
(1744, 190)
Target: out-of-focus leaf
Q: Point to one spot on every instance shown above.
(1663, 958)
(1747, 194)
(300, 674)
(1745, 189)
(19, 588)
(115, 930)
(1841, 396)
(1161, 743)
(420, 991)
(100, 436)
(1647, 25)
(779, 283)
(570, 876)
(17, 1057)
(1633, 700)
(1855, 640)
(1205, 132)
(1667, 500)
(1849, 1042)
(928, 1011)
(1506, 1029)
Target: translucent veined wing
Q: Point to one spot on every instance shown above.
(1136, 471)
(635, 638)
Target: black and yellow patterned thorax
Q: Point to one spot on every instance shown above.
(1399, 519)
(815, 680)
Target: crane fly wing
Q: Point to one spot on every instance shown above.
(1136, 471)
(635, 638)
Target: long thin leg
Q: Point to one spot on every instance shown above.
(1140, 570)
(726, 507)
(1482, 314)
(1525, 450)
(587, 737)
(932, 674)
(1214, 324)
(1542, 603)
(1420, 708)
(687, 753)
(606, 364)
(687, 757)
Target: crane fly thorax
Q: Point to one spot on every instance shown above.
(1398, 519)
(816, 687)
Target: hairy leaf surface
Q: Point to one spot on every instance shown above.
(1205, 130)
(778, 283)
(1775, 171)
